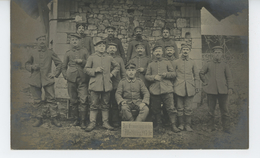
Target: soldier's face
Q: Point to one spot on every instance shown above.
(170, 51)
(101, 48)
(185, 51)
(110, 32)
(140, 50)
(74, 41)
(111, 50)
(41, 41)
(131, 73)
(166, 34)
(158, 53)
(218, 53)
(81, 29)
(138, 31)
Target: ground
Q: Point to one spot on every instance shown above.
(47, 136)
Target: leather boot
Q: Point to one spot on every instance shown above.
(83, 119)
(55, 122)
(105, 115)
(92, 118)
(211, 124)
(38, 122)
(75, 114)
(173, 123)
(188, 123)
(181, 124)
(159, 128)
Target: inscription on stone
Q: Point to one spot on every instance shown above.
(136, 129)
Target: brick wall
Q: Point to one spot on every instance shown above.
(152, 15)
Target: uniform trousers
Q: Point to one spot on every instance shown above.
(127, 112)
(184, 105)
(100, 100)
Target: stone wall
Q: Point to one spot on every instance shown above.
(152, 15)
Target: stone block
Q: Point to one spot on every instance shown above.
(101, 27)
(156, 33)
(92, 27)
(104, 12)
(66, 27)
(148, 24)
(170, 25)
(123, 32)
(196, 43)
(136, 23)
(106, 22)
(138, 12)
(124, 19)
(176, 32)
(196, 53)
(96, 11)
(93, 21)
(147, 32)
(100, 16)
(61, 38)
(182, 23)
(120, 36)
(161, 11)
(159, 23)
(94, 33)
(118, 23)
(149, 12)
(195, 22)
(129, 2)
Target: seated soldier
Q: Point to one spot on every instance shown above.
(129, 95)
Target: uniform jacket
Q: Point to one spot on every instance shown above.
(165, 85)
(132, 91)
(87, 42)
(120, 74)
(70, 69)
(101, 81)
(168, 42)
(141, 61)
(172, 60)
(131, 49)
(216, 77)
(44, 58)
(120, 49)
(187, 76)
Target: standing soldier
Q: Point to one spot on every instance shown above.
(160, 72)
(86, 42)
(132, 94)
(186, 85)
(101, 68)
(141, 61)
(115, 80)
(39, 64)
(218, 85)
(131, 52)
(72, 70)
(112, 39)
(167, 41)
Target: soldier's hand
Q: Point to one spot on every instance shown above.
(197, 90)
(78, 61)
(50, 75)
(158, 78)
(230, 91)
(111, 75)
(163, 75)
(123, 103)
(141, 106)
(99, 69)
(140, 69)
(35, 67)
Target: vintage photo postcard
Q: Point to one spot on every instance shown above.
(129, 74)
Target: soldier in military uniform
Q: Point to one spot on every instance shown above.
(218, 85)
(167, 41)
(160, 72)
(86, 41)
(101, 68)
(72, 70)
(132, 94)
(112, 39)
(114, 112)
(186, 85)
(141, 61)
(131, 52)
(39, 64)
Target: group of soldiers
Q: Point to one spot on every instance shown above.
(140, 85)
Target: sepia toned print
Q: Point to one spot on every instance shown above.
(129, 74)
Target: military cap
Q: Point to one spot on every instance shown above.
(80, 24)
(217, 47)
(186, 46)
(75, 35)
(169, 46)
(139, 28)
(111, 44)
(41, 36)
(130, 66)
(111, 27)
(100, 42)
(154, 48)
(139, 44)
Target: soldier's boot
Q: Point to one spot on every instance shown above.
(188, 123)
(105, 114)
(211, 124)
(92, 119)
(38, 122)
(159, 128)
(55, 122)
(173, 123)
(75, 114)
(83, 119)
(181, 124)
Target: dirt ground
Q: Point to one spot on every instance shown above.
(47, 136)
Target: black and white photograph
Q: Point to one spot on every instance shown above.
(129, 74)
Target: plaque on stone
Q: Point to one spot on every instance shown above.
(136, 129)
